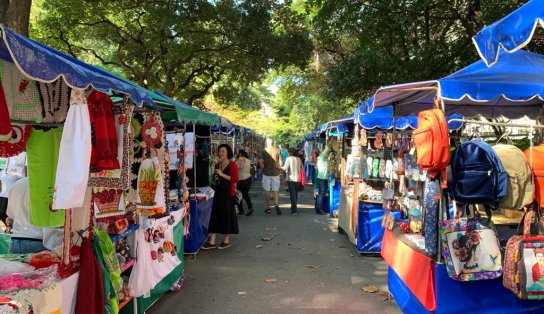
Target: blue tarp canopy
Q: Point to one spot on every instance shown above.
(382, 118)
(512, 32)
(512, 88)
(45, 64)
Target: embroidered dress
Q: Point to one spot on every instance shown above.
(42, 156)
(21, 93)
(74, 157)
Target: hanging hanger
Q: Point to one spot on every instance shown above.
(505, 136)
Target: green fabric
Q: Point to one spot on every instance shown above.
(322, 164)
(23, 258)
(166, 283)
(111, 304)
(5, 241)
(42, 157)
(196, 116)
(110, 259)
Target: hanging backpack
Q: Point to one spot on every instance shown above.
(432, 143)
(521, 190)
(523, 271)
(537, 163)
(478, 175)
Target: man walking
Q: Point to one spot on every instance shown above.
(271, 163)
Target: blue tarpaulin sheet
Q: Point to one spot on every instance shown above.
(512, 32)
(484, 296)
(45, 64)
(335, 189)
(200, 213)
(369, 227)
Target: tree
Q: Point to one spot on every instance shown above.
(15, 14)
(184, 48)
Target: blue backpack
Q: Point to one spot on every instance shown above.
(478, 176)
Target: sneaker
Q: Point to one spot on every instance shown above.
(278, 210)
(208, 246)
(223, 246)
(268, 211)
(249, 212)
(294, 214)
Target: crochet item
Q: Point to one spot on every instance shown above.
(17, 141)
(21, 94)
(107, 203)
(55, 100)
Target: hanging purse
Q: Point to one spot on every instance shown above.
(524, 262)
(471, 249)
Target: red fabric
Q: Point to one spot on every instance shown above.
(536, 272)
(90, 287)
(5, 124)
(104, 137)
(413, 267)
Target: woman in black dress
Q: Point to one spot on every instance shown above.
(223, 217)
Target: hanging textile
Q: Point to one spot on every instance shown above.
(74, 155)
(156, 253)
(5, 123)
(55, 98)
(104, 152)
(111, 273)
(42, 157)
(22, 95)
(150, 191)
(118, 178)
(17, 141)
(90, 287)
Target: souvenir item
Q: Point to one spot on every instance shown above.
(524, 262)
(55, 100)
(154, 255)
(363, 138)
(388, 221)
(375, 167)
(148, 180)
(378, 142)
(369, 164)
(478, 175)
(152, 132)
(381, 171)
(431, 198)
(388, 168)
(389, 140)
(521, 189)
(16, 143)
(470, 249)
(104, 141)
(404, 227)
(108, 202)
(432, 143)
(535, 156)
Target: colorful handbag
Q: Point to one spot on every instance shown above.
(524, 262)
(471, 250)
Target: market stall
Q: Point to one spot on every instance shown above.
(453, 257)
(97, 185)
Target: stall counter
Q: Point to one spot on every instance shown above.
(199, 218)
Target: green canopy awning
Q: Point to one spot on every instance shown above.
(176, 110)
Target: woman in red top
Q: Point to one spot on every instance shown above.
(223, 217)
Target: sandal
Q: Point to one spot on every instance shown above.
(389, 140)
(378, 142)
(375, 167)
(369, 163)
(381, 170)
(388, 168)
(363, 138)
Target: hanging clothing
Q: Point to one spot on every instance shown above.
(55, 98)
(90, 287)
(5, 123)
(308, 148)
(223, 217)
(151, 266)
(42, 156)
(104, 140)
(110, 272)
(74, 159)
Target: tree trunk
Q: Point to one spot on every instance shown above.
(15, 14)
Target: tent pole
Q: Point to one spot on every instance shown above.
(194, 159)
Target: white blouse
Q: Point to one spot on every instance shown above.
(292, 167)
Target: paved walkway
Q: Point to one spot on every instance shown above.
(307, 267)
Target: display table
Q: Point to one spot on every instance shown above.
(345, 217)
(421, 285)
(369, 227)
(199, 218)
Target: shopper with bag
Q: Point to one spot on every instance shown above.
(292, 168)
(244, 183)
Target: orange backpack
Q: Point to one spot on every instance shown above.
(537, 163)
(432, 143)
